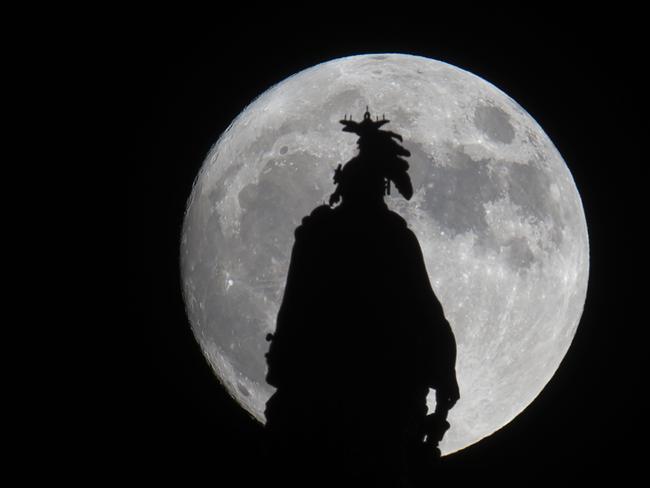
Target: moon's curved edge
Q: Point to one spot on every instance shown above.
(212, 358)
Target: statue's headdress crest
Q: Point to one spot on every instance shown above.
(367, 126)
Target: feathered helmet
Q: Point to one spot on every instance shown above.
(382, 151)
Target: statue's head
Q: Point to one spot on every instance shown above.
(366, 178)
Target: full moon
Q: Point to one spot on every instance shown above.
(495, 209)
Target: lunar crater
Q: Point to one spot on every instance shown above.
(495, 123)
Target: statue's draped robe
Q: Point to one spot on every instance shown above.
(360, 339)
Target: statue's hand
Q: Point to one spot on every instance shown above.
(446, 397)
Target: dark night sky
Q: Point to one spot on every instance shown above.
(184, 81)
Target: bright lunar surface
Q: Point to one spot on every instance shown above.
(495, 210)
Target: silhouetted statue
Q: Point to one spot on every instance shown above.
(360, 337)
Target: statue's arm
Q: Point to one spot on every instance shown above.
(443, 365)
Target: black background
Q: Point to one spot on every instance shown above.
(186, 77)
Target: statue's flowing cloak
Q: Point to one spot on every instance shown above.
(359, 316)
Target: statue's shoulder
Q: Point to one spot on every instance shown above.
(396, 226)
(396, 220)
(322, 212)
(319, 218)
